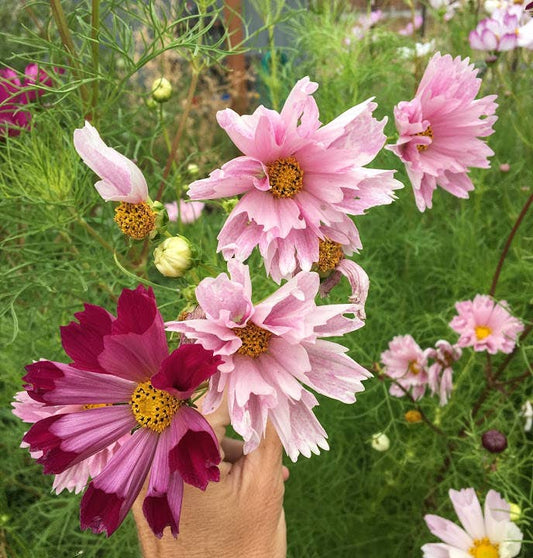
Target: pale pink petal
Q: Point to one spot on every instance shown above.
(448, 532)
(468, 510)
(121, 180)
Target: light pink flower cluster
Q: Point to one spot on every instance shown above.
(299, 181)
(440, 129)
(440, 370)
(406, 363)
(121, 411)
(414, 369)
(16, 94)
(491, 534)
(412, 26)
(269, 350)
(486, 325)
(507, 28)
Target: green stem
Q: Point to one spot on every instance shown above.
(519, 220)
(68, 43)
(95, 49)
(92, 232)
(181, 128)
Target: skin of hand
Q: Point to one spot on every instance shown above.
(241, 515)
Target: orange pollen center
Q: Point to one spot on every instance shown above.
(254, 339)
(413, 367)
(428, 132)
(285, 177)
(329, 255)
(153, 408)
(482, 332)
(483, 548)
(136, 220)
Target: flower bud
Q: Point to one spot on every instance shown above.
(413, 416)
(193, 169)
(173, 256)
(161, 90)
(380, 441)
(494, 441)
(515, 512)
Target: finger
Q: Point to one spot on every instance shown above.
(232, 449)
(285, 473)
(218, 419)
(268, 453)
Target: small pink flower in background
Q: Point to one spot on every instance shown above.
(189, 211)
(75, 478)
(134, 392)
(409, 29)
(505, 167)
(440, 129)
(486, 325)
(488, 534)
(269, 350)
(440, 371)
(508, 27)
(295, 177)
(406, 362)
(121, 179)
(16, 94)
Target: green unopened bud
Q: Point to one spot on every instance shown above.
(193, 169)
(151, 103)
(515, 513)
(173, 256)
(380, 441)
(161, 90)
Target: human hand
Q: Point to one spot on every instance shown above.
(241, 515)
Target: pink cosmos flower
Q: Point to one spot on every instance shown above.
(269, 350)
(295, 177)
(440, 371)
(75, 478)
(411, 26)
(121, 179)
(131, 388)
(491, 534)
(498, 32)
(406, 362)
(486, 325)
(189, 211)
(14, 95)
(440, 127)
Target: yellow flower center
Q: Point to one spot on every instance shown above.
(413, 416)
(285, 177)
(428, 132)
(483, 548)
(413, 367)
(135, 219)
(329, 255)
(482, 332)
(153, 408)
(254, 339)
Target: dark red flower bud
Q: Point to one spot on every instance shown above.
(494, 441)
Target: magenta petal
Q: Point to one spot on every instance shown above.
(83, 341)
(185, 369)
(136, 311)
(196, 454)
(67, 439)
(55, 383)
(162, 504)
(111, 494)
(163, 509)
